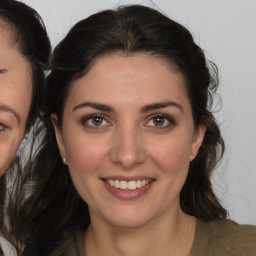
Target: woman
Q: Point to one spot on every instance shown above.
(24, 56)
(129, 99)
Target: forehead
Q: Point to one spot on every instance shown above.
(10, 45)
(8, 34)
(16, 80)
(121, 66)
(133, 77)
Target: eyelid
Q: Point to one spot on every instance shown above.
(7, 119)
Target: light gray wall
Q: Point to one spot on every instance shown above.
(226, 29)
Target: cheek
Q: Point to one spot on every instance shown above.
(170, 160)
(171, 154)
(84, 154)
(85, 157)
(8, 148)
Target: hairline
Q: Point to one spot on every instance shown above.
(13, 33)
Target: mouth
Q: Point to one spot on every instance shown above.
(128, 185)
(128, 188)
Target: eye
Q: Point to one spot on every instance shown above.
(160, 121)
(2, 127)
(95, 121)
(2, 71)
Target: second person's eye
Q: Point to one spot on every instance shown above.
(2, 127)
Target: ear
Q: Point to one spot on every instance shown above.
(59, 137)
(197, 140)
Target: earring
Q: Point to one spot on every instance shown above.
(64, 160)
(192, 153)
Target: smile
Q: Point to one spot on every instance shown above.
(128, 185)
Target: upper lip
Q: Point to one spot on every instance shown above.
(127, 178)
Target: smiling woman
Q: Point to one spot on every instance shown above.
(116, 148)
(24, 56)
(129, 100)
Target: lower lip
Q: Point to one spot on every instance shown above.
(128, 194)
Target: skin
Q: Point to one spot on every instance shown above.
(15, 96)
(131, 141)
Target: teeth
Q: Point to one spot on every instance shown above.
(116, 184)
(130, 185)
(123, 184)
(138, 185)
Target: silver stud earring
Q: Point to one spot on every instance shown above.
(64, 160)
(192, 153)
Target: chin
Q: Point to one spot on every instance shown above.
(128, 219)
(128, 223)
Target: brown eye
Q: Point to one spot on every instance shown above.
(97, 121)
(158, 121)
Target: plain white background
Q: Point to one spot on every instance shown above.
(226, 30)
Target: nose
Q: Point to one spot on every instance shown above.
(127, 149)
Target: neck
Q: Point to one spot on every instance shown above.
(160, 237)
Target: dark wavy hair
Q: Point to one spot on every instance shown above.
(54, 210)
(29, 34)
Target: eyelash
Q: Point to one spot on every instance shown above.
(166, 118)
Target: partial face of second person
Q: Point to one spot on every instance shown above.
(15, 96)
(127, 137)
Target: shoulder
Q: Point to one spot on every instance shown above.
(226, 237)
(228, 230)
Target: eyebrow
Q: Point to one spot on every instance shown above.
(101, 107)
(146, 108)
(8, 109)
(155, 106)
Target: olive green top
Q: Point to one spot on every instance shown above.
(216, 238)
(224, 238)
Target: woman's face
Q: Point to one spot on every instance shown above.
(127, 137)
(15, 97)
